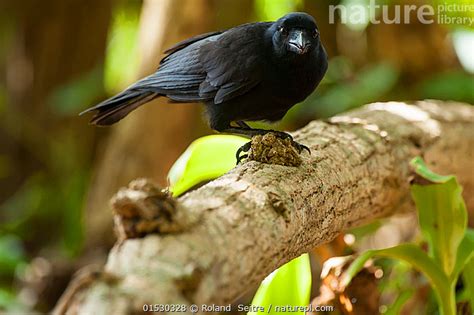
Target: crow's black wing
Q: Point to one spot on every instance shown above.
(180, 73)
(213, 66)
(177, 47)
(233, 62)
(178, 77)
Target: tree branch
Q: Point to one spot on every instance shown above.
(238, 228)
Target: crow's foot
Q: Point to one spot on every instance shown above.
(298, 146)
(272, 148)
(245, 148)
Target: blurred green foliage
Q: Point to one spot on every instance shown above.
(50, 199)
(69, 99)
(452, 85)
(12, 254)
(122, 57)
(271, 10)
(345, 87)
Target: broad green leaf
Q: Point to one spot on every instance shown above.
(465, 264)
(420, 261)
(288, 285)
(464, 255)
(205, 159)
(442, 214)
(468, 280)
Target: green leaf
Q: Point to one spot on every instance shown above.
(396, 307)
(205, 159)
(420, 261)
(468, 279)
(442, 214)
(465, 264)
(421, 169)
(288, 285)
(464, 255)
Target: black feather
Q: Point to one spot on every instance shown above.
(116, 108)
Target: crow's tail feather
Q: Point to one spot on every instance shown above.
(112, 110)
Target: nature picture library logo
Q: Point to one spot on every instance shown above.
(455, 13)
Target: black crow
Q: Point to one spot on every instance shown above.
(255, 71)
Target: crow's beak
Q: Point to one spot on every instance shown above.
(298, 42)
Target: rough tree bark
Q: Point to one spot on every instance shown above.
(225, 237)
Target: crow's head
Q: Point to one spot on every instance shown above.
(296, 34)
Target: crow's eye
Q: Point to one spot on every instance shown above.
(315, 33)
(283, 30)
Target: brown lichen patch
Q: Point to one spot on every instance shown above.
(143, 208)
(271, 149)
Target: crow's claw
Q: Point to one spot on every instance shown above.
(283, 135)
(245, 148)
(300, 147)
(242, 157)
